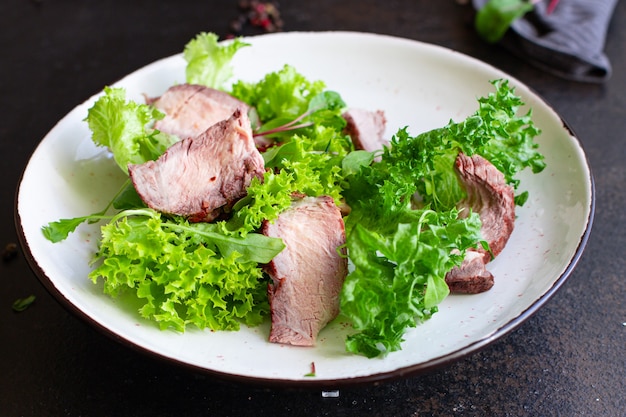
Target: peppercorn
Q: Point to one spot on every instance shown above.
(9, 252)
(257, 15)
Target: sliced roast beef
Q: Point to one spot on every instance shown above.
(307, 276)
(191, 109)
(492, 198)
(366, 128)
(201, 177)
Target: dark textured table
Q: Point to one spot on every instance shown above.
(568, 359)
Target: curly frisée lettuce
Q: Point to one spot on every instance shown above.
(402, 254)
(424, 164)
(185, 273)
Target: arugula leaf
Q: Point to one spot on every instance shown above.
(252, 247)
(126, 199)
(208, 61)
(59, 230)
(120, 126)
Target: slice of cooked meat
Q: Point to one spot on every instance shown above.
(492, 198)
(307, 276)
(472, 277)
(201, 177)
(366, 128)
(191, 109)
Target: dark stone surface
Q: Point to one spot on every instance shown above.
(568, 359)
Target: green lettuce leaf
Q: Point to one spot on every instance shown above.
(123, 127)
(185, 273)
(280, 97)
(399, 278)
(209, 62)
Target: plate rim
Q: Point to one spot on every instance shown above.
(405, 371)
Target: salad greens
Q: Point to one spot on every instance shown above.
(209, 274)
(208, 61)
(306, 164)
(424, 163)
(186, 273)
(402, 248)
(399, 276)
(285, 100)
(121, 126)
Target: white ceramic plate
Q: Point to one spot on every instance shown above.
(417, 85)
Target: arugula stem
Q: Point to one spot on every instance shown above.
(133, 212)
(297, 119)
(284, 128)
(292, 125)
